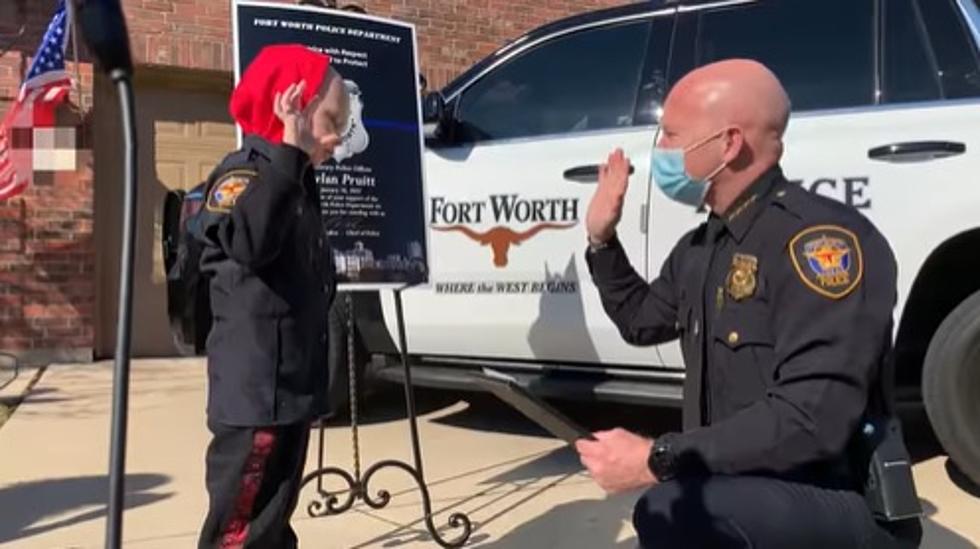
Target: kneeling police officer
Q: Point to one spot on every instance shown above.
(782, 301)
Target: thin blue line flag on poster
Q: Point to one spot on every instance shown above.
(372, 193)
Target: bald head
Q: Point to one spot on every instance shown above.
(737, 92)
(743, 104)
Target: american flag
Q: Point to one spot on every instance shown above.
(46, 86)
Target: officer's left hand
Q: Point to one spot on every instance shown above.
(617, 460)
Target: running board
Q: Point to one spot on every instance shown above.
(549, 385)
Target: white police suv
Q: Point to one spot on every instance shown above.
(886, 97)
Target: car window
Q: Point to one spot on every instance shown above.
(655, 81)
(585, 81)
(954, 51)
(909, 70)
(823, 52)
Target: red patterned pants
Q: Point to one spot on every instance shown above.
(253, 477)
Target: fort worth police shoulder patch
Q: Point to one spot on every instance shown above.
(226, 190)
(828, 259)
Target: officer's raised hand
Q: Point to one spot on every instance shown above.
(606, 208)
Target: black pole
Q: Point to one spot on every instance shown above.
(120, 384)
(409, 392)
(103, 25)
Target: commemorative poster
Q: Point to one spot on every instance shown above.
(372, 193)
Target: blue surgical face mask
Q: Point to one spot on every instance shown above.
(670, 174)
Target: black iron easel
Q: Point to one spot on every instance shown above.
(329, 503)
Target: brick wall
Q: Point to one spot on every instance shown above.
(47, 255)
(452, 33)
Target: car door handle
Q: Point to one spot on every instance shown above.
(586, 174)
(916, 151)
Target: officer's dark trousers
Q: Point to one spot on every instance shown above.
(761, 513)
(253, 477)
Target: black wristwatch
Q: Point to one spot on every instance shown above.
(663, 459)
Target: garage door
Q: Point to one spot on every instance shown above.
(184, 130)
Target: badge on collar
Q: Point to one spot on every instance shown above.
(742, 280)
(828, 259)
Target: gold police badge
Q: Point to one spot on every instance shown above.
(742, 280)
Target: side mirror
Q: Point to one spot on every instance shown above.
(433, 114)
(433, 107)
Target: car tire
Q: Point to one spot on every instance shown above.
(950, 380)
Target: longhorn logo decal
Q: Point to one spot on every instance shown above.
(500, 239)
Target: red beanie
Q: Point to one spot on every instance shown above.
(272, 71)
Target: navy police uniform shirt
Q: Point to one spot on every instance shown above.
(783, 308)
(272, 282)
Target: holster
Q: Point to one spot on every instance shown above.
(889, 488)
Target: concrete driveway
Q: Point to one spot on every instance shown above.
(519, 487)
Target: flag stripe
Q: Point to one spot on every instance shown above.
(54, 93)
(11, 189)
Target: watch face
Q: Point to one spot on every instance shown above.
(662, 461)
